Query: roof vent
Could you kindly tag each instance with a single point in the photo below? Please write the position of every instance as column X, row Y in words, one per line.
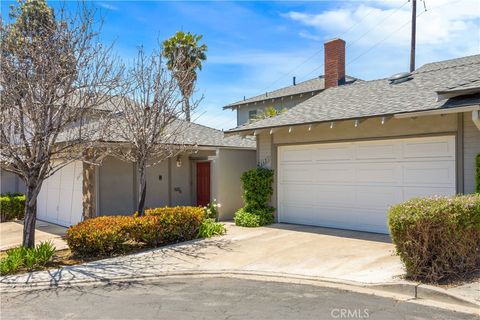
column 400, row 77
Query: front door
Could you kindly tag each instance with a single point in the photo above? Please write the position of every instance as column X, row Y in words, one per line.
column 203, row 183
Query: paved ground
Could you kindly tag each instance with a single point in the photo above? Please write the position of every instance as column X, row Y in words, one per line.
column 11, row 234
column 213, row 298
column 279, row 249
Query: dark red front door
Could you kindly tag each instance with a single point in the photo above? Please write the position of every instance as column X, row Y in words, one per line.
column 203, row 183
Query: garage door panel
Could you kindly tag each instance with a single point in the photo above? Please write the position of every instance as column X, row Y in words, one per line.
column 376, row 151
column 352, row 185
column 333, row 153
column 333, row 173
column 378, row 198
column 429, row 148
column 384, row 173
column 60, row 198
column 434, row 174
column 334, row 195
column 298, row 194
column 299, row 173
column 297, row 155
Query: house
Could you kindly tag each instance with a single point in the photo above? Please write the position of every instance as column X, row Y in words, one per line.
column 346, row 154
column 284, row 98
column 210, row 170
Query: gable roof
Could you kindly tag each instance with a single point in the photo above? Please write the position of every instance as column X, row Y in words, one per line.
column 379, row 97
column 314, row 85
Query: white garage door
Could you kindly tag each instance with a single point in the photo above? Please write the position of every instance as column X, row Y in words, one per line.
column 351, row 185
column 60, row 199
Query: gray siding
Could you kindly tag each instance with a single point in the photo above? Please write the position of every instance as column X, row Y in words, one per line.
column 10, row 182
column 116, row 187
column 279, row 104
column 471, row 145
column 227, row 187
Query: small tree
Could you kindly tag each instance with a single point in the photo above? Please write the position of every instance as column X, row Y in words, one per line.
column 54, row 75
column 184, row 56
column 269, row 112
column 147, row 117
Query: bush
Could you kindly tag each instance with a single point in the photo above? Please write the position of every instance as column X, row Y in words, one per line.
column 104, row 236
column 177, row 223
column 437, row 238
column 99, row 236
column 210, row 228
column 257, row 190
column 29, row 258
column 477, row 177
column 12, row 206
column 258, row 218
column 211, row 210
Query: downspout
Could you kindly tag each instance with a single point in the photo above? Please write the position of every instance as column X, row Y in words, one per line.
column 476, row 118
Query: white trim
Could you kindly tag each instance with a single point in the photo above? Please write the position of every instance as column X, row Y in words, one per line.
column 476, row 118
column 436, row 112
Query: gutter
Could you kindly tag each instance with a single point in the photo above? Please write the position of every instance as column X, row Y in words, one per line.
column 471, row 108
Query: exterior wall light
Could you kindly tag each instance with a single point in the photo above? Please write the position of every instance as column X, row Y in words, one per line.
column 179, row 161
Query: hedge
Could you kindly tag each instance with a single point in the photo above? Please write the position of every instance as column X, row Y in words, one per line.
column 104, row 236
column 12, row 206
column 437, row 238
column 477, row 176
column 257, row 191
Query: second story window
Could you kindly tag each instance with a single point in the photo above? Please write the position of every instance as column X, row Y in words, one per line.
column 252, row 114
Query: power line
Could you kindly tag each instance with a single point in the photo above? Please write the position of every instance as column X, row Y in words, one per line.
column 318, row 51
column 381, row 41
column 362, row 36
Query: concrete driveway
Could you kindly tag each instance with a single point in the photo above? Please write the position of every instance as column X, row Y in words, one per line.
column 11, row 234
column 279, row 249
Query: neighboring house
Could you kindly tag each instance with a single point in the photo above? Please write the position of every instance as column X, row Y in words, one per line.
column 10, row 182
column 288, row 97
column 209, row 171
column 343, row 156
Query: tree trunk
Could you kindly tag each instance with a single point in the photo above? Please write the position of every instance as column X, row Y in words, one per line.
column 30, row 216
column 142, row 189
column 186, row 107
column 89, row 191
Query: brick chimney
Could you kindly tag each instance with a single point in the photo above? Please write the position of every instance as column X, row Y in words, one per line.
column 334, row 63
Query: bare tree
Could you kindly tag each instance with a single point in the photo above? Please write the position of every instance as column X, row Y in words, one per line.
column 55, row 77
column 148, row 117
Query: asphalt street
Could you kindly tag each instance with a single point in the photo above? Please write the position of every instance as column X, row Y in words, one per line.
column 211, row 298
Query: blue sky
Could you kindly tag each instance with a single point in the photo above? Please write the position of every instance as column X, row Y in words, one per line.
column 255, row 47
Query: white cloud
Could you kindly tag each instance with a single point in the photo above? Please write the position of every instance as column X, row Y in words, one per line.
column 373, row 31
column 108, row 6
column 444, row 21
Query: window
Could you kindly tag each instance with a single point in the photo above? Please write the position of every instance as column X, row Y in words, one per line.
column 252, row 114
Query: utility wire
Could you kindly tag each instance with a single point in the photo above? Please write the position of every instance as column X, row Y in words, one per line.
column 362, row 36
column 318, row 51
column 381, row 41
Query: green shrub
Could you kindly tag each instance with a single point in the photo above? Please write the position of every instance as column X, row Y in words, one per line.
column 477, row 176
column 210, row 228
column 211, row 210
column 257, row 190
column 437, row 238
column 28, row 258
column 258, row 218
column 99, row 236
column 177, row 223
column 12, row 206
column 103, row 236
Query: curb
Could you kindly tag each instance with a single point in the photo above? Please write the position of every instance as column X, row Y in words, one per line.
column 399, row 290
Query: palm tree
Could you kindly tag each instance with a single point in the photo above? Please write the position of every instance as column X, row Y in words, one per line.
column 184, row 56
